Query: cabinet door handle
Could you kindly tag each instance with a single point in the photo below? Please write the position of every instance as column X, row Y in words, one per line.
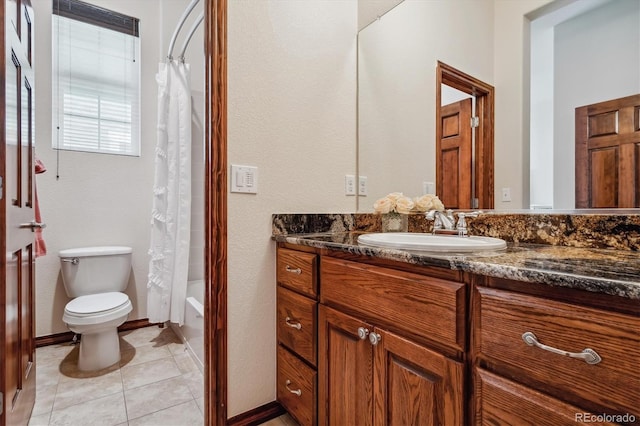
column 374, row 338
column 587, row 355
column 296, row 392
column 293, row 270
column 295, row 325
column 362, row 333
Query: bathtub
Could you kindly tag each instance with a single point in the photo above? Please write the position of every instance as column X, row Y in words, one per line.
column 192, row 332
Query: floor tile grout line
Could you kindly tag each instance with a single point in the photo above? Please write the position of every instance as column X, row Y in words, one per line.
column 168, row 344
column 162, row 409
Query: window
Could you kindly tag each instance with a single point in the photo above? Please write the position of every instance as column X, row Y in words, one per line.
column 96, row 79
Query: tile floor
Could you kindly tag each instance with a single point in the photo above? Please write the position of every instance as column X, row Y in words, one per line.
column 156, row 383
column 284, row 420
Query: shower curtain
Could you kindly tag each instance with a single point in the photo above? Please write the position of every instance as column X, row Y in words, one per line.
column 171, row 214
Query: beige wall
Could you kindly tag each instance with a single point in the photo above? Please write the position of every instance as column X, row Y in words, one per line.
column 397, row 91
column 100, row 199
column 291, row 113
column 511, row 135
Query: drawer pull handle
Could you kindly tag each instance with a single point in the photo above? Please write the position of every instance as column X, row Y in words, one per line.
column 374, row 338
column 296, row 392
column 587, row 355
column 362, row 333
column 293, row 270
column 295, row 325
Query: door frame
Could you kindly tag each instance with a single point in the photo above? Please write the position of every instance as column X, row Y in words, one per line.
column 484, row 133
column 215, row 324
column 215, row 256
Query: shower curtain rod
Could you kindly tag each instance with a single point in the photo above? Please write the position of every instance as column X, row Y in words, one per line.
column 183, row 18
column 193, row 29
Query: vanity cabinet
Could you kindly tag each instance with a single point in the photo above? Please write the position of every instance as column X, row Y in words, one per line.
column 366, row 341
column 378, row 356
column 552, row 361
column 297, row 277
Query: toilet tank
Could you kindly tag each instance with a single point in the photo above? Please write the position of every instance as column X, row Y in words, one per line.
column 91, row 270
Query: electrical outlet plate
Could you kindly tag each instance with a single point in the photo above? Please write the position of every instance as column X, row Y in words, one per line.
column 506, row 195
column 428, row 188
column 362, row 186
column 349, row 185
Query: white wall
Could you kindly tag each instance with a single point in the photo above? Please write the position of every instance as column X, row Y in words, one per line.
column 397, row 73
column 99, row 199
column 511, row 136
column 541, row 116
column 597, row 58
column 291, row 113
column 370, row 10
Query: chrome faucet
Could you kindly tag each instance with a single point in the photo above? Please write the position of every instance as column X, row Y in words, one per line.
column 445, row 222
column 441, row 220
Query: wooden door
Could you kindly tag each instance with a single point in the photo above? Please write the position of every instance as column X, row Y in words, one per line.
column 17, row 146
column 345, row 366
column 454, row 155
column 608, row 154
column 414, row 385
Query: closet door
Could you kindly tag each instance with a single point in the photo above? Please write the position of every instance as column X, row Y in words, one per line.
column 18, row 219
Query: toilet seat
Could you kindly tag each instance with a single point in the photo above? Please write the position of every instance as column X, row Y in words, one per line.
column 96, row 308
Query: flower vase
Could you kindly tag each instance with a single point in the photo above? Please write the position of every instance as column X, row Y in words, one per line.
column 395, row 222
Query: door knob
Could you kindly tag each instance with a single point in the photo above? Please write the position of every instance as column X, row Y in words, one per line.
column 33, row 225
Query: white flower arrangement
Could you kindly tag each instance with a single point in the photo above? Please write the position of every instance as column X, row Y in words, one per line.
column 428, row 202
column 397, row 202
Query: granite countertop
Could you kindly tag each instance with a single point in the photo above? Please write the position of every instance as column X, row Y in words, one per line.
column 608, row 271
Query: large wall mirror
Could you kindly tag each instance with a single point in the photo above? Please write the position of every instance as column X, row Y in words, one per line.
column 582, row 52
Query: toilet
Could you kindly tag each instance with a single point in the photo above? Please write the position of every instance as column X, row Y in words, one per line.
column 95, row 278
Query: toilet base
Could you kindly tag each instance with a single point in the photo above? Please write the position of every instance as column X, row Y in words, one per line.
column 99, row 350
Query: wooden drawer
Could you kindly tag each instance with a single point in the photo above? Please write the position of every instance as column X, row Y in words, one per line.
column 296, row 388
column 412, row 304
column 297, row 319
column 612, row 385
column 502, row 402
column 298, row 271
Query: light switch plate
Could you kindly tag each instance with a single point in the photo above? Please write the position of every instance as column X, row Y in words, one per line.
column 244, row 179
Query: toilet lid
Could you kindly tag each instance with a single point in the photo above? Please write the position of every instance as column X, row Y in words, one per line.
column 94, row 303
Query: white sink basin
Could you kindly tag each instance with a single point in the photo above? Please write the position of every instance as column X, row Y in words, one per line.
column 433, row 243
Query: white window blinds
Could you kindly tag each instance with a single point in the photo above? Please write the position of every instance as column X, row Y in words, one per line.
column 96, row 88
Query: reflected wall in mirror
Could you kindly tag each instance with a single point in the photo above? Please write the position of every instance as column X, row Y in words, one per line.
column 585, row 53
column 487, row 39
column 397, row 58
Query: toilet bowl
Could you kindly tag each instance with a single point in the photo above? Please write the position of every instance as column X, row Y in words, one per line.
column 95, row 278
column 96, row 318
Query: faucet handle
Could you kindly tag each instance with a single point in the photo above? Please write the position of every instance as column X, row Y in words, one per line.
column 434, row 215
column 462, row 222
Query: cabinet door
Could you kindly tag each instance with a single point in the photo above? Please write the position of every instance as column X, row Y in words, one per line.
column 414, row 385
column 345, row 365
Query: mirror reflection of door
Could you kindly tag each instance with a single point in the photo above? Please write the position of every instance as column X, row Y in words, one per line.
column 454, row 153
column 464, row 145
column 608, row 154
